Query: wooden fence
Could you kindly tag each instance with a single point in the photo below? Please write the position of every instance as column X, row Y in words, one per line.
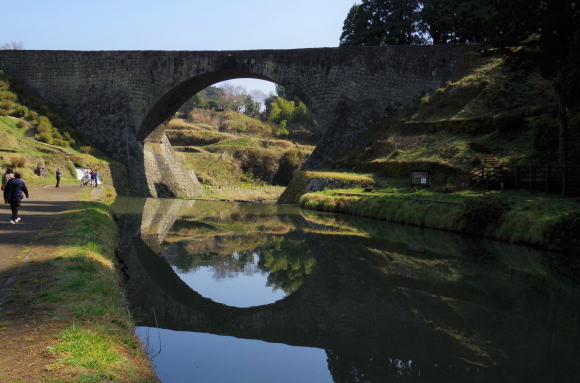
column 548, row 179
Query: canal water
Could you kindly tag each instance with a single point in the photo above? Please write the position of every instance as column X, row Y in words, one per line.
column 233, row 292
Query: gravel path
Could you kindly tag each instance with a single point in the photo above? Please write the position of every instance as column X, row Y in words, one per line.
column 37, row 213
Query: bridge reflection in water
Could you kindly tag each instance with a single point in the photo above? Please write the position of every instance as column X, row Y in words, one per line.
column 385, row 302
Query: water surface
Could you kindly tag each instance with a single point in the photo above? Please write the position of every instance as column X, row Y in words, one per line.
column 226, row 292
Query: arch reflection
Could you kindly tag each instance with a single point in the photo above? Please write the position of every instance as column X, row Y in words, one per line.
column 459, row 310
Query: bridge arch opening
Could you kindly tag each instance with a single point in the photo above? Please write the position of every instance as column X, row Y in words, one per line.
column 220, row 135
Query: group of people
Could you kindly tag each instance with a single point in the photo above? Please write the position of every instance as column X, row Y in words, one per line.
column 90, row 177
column 14, row 190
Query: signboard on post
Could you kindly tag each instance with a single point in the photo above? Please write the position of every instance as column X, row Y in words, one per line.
column 420, row 178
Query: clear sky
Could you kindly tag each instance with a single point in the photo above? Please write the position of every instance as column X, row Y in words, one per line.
column 174, row 25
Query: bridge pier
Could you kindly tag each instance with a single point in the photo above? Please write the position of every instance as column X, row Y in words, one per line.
column 164, row 175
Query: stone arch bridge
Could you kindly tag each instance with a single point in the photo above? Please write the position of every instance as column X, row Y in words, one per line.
column 121, row 100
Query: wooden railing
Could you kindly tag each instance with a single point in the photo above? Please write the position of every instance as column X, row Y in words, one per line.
column 548, row 179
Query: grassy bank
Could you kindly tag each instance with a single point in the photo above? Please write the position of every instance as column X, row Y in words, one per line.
column 517, row 217
column 244, row 194
column 71, row 280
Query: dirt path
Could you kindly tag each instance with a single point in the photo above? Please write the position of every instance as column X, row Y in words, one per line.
column 37, row 213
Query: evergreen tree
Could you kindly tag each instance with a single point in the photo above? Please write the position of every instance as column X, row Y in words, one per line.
column 382, row 22
column 355, row 29
column 560, row 47
column 555, row 25
column 438, row 19
column 474, row 20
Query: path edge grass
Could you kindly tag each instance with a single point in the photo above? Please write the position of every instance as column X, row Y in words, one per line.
column 98, row 342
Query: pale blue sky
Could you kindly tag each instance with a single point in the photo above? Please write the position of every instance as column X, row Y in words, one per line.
column 174, row 25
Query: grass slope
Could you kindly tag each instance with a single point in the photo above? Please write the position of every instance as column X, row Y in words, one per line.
column 499, row 106
column 23, row 153
column 221, row 152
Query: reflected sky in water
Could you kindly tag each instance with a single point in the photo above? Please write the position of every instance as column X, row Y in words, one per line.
column 239, row 288
column 192, row 357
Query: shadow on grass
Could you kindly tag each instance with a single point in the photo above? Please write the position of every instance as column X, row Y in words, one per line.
column 69, row 291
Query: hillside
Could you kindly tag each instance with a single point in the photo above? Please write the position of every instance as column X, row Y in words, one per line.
column 30, row 134
column 228, row 148
column 498, row 108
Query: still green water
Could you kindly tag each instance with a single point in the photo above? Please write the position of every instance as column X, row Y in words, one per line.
column 228, row 292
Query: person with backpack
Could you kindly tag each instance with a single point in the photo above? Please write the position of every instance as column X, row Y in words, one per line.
column 13, row 194
column 7, row 176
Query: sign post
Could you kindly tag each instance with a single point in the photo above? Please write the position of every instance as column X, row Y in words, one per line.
column 420, row 178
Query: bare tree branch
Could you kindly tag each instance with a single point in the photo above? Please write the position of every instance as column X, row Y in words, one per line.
column 12, row 46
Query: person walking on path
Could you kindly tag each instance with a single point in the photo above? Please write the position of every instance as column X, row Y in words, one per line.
column 9, row 174
column 13, row 192
column 58, row 175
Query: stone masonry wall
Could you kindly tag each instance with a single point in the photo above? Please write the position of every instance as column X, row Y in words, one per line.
column 120, row 99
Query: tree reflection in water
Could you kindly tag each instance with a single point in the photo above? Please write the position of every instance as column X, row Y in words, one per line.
column 241, row 243
column 286, row 269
